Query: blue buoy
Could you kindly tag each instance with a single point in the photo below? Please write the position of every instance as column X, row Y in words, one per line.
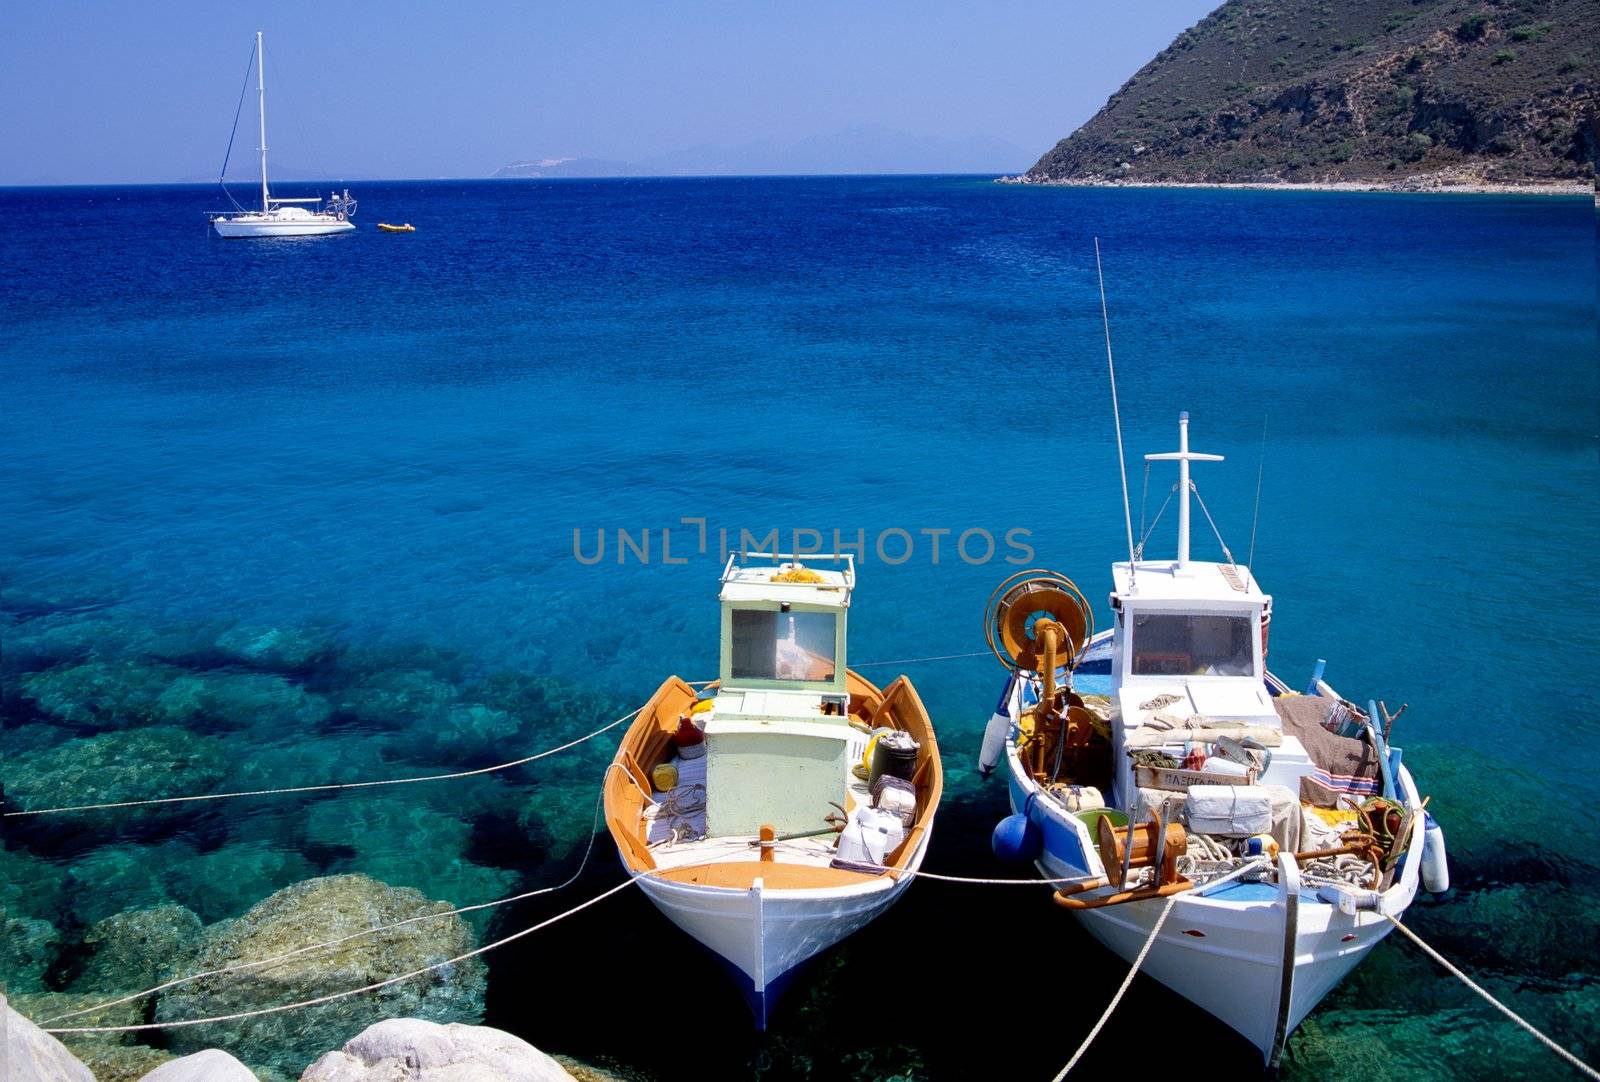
column 1017, row 839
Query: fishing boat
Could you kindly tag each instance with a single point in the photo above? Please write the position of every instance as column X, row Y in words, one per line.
column 786, row 805
column 1160, row 770
column 309, row 217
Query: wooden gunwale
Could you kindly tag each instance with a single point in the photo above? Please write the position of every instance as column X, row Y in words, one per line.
column 645, row 744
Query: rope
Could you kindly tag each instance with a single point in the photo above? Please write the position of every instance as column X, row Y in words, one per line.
column 222, row 174
column 1116, row 412
column 242, row 966
column 331, row 997
column 1207, row 511
column 332, row 787
column 911, row 660
column 1157, row 520
column 1527, row 1026
column 1126, row 981
column 919, row 874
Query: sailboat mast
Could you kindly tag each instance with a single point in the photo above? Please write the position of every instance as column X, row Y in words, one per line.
column 261, row 90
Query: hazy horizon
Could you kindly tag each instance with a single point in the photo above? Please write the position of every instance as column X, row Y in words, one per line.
column 107, row 95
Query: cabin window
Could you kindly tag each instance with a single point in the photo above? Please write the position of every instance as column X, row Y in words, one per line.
column 772, row 645
column 1187, row 644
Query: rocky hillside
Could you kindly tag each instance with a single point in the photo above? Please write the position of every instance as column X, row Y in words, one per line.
column 1498, row 91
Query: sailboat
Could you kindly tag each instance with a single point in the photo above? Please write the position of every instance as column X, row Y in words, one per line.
column 281, row 217
column 788, row 804
column 1259, row 838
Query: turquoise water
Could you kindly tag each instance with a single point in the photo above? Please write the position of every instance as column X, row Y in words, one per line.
column 381, row 447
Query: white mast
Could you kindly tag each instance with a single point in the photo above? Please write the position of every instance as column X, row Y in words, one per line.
column 1183, row 456
column 261, row 90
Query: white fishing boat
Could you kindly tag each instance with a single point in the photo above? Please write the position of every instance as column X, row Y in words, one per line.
column 776, row 811
column 309, row 217
column 1160, row 764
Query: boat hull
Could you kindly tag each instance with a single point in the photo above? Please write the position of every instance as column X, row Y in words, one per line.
column 1229, row 953
column 238, row 230
column 763, row 934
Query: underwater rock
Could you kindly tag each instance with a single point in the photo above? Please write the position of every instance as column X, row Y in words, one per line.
column 398, row 699
column 101, row 695
column 559, row 816
column 114, row 878
column 135, row 764
column 33, row 886
column 225, row 882
column 27, row 949
column 423, row 1051
column 138, row 948
column 278, row 649
column 211, row 1065
column 464, row 733
column 32, row 1055
column 315, row 912
column 120, row 1062
column 240, row 700
column 390, row 835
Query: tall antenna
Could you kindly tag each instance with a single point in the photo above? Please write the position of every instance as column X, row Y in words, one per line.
column 1255, row 518
column 1116, row 413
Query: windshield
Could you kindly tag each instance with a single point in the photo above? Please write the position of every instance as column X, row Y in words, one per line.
column 1172, row 644
column 769, row 645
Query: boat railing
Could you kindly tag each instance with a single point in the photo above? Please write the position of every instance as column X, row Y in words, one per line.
column 844, row 560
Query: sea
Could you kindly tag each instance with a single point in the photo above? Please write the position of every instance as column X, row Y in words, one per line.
column 285, row 512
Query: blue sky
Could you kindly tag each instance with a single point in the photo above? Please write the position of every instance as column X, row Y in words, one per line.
column 105, row 93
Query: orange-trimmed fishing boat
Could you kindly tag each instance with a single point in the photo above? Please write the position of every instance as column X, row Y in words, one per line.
column 788, row 804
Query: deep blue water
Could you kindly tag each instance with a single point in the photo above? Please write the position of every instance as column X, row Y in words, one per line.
column 391, row 441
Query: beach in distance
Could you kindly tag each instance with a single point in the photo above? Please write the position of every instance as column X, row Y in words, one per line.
column 286, row 512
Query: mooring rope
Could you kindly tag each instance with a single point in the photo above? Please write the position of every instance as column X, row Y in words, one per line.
column 1501, row 1007
column 332, row 996
column 330, row 787
column 1126, row 981
column 240, row 967
column 914, row 660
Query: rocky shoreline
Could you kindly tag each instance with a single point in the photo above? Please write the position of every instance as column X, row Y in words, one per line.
column 1407, row 186
column 411, row 1048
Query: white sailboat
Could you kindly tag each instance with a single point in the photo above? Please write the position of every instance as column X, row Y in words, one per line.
column 1160, row 764
column 789, row 804
column 282, row 217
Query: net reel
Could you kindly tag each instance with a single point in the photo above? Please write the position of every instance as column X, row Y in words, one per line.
column 1015, row 618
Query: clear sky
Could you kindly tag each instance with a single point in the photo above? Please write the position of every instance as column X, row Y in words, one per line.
column 104, row 93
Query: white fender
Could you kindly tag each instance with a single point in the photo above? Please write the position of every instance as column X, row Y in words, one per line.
column 1435, row 866
column 999, row 727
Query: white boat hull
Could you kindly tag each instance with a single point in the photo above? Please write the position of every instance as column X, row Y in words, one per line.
column 234, row 228
column 1237, row 968
column 765, row 935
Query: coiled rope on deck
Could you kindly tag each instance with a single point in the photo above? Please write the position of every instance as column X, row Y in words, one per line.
column 1523, row 1023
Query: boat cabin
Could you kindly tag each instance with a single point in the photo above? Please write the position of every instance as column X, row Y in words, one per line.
column 783, row 706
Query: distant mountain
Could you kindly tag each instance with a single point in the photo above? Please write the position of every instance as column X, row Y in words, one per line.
column 1358, row 90
column 858, row 149
column 567, row 167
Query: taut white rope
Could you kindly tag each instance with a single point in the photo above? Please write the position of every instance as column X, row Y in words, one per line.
column 1501, row 1007
column 624, row 885
column 1126, row 981
column 330, row 787
column 263, row 962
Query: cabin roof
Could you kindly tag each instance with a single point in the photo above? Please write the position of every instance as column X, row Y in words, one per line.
column 1196, row 581
column 785, row 578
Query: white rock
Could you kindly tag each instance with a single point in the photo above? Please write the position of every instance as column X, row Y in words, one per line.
column 212, row 1065
column 32, row 1055
column 413, row 1050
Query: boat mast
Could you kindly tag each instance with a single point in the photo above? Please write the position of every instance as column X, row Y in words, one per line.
column 261, row 90
column 1183, row 456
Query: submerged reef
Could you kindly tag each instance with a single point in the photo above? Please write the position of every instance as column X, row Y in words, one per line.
column 315, row 912
column 100, row 707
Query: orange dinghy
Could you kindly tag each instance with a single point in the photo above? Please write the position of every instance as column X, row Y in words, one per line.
column 789, row 803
